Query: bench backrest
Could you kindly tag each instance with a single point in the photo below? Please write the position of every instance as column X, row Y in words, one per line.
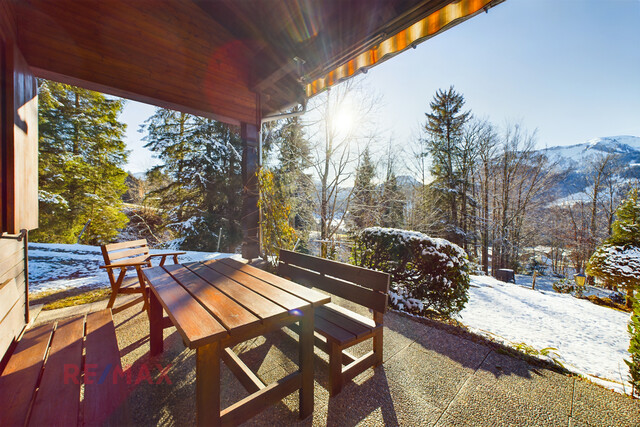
column 360, row 285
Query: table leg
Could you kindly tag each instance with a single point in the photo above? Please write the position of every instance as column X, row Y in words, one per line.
column 306, row 339
column 208, row 385
column 155, row 324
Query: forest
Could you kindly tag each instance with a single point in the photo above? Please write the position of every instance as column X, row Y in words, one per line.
column 489, row 189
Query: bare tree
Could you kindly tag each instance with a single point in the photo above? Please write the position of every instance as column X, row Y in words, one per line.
column 340, row 125
column 521, row 175
column 486, row 151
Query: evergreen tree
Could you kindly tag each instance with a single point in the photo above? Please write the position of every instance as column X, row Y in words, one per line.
column 286, row 155
column 617, row 260
column 392, row 203
column 444, row 128
column 364, row 203
column 80, row 170
column 199, row 181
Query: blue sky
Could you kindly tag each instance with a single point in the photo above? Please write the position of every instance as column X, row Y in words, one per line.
column 568, row 68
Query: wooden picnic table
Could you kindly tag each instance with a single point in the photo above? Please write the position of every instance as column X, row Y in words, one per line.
column 219, row 303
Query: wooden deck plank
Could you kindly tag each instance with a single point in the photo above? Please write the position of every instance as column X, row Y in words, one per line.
column 104, row 393
column 20, row 377
column 59, row 391
column 356, row 328
column 314, row 297
column 256, row 303
column 353, row 315
column 277, row 295
column 234, row 317
column 193, row 321
column 332, row 331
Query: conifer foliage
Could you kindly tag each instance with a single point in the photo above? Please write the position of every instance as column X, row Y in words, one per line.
column 199, row 181
column 444, row 129
column 617, row 260
column 80, row 170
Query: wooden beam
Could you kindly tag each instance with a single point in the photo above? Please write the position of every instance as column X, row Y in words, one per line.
column 272, row 78
column 354, row 368
column 257, row 402
column 250, row 134
column 247, row 378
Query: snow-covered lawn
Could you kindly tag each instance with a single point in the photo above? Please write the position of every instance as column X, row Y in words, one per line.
column 55, row 267
column 591, row 340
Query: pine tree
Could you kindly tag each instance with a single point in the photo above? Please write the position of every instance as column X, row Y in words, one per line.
column 200, row 178
column 617, row 260
column 364, row 203
column 80, row 170
column 444, row 128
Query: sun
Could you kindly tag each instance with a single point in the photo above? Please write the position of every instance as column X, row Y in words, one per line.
column 343, row 121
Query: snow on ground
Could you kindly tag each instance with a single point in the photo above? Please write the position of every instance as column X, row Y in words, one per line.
column 545, row 283
column 591, row 340
column 54, row 267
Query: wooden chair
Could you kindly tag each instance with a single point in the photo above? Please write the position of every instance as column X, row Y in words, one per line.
column 125, row 256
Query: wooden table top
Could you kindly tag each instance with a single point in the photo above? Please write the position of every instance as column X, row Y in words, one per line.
column 213, row 300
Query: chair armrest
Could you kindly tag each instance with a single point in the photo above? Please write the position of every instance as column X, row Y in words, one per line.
column 124, row 265
column 165, row 254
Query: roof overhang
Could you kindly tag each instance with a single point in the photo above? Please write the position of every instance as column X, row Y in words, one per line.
column 235, row 61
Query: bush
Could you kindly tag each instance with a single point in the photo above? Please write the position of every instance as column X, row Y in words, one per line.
column 427, row 274
column 634, row 349
column 564, row 286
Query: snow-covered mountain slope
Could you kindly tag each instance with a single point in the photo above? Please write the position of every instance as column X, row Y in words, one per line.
column 572, row 165
column 573, row 155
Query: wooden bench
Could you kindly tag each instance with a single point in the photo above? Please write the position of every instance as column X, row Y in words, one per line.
column 337, row 327
column 43, row 376
column 125, row 255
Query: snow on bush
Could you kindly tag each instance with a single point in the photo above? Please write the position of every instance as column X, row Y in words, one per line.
column 617, row 265
column 427, row 274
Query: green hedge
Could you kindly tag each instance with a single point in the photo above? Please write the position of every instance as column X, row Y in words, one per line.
column 427, row 274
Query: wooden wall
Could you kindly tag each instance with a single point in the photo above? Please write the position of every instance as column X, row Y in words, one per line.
column 12, row 292
column 19, row 143
column 18, row 176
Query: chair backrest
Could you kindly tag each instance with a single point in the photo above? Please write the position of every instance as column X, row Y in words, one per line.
column 360, row 285
column 125, row 252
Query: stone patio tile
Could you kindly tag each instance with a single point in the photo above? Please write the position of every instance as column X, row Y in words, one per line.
column 371, row 399
column 508, row 391
column 432, row 376
column 597, row 406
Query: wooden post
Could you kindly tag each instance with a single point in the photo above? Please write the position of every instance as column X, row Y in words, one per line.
column 533, row 281
column 250, row 134
column 208, row 385
column 306, row 340
column 155, row 324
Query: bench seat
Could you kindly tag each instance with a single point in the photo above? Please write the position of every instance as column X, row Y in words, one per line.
column 341, row 325
column 42, row 381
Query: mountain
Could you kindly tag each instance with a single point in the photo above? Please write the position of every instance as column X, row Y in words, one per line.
column 575, row 155
column 572, row 165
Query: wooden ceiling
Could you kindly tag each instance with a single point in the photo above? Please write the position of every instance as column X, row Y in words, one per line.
column 232, row 60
